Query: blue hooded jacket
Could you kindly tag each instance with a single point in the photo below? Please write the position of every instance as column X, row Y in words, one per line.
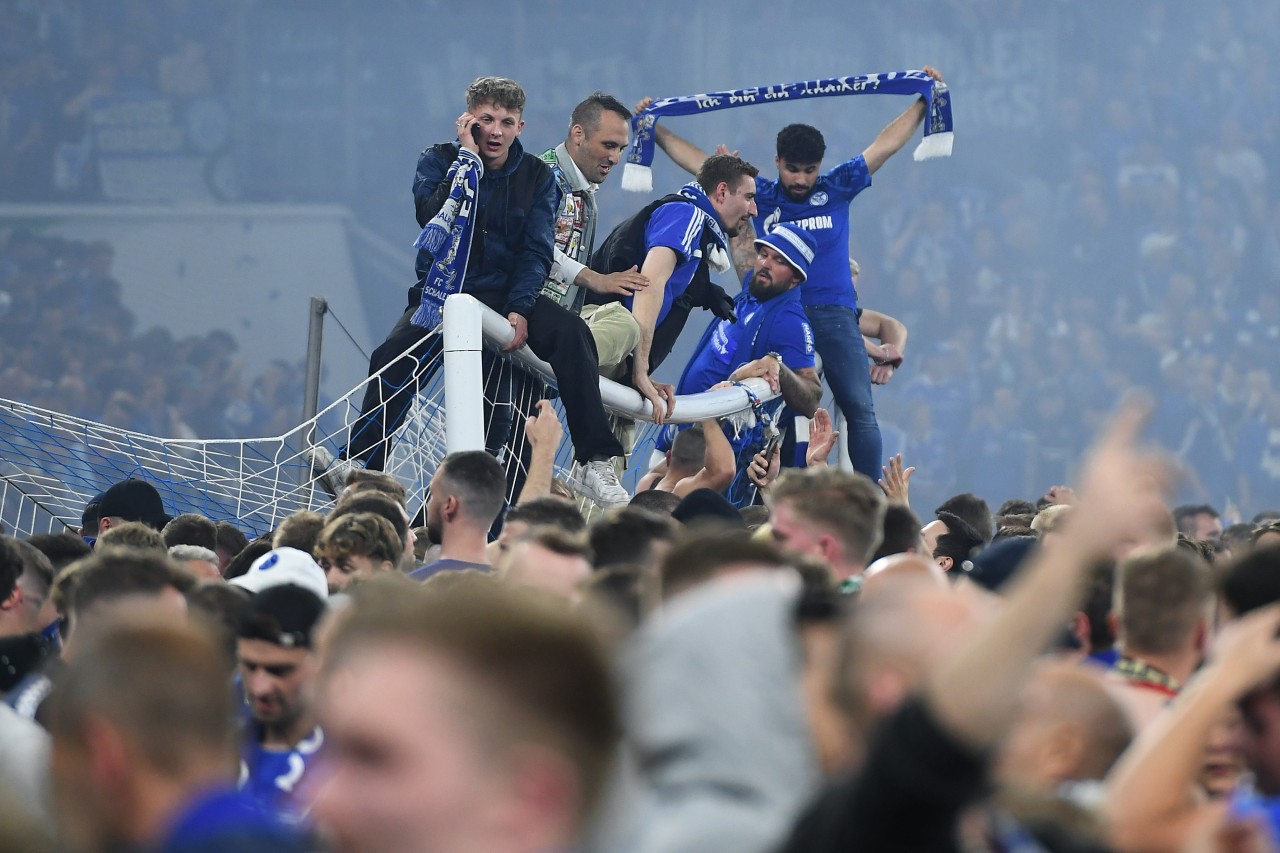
column 511, row 251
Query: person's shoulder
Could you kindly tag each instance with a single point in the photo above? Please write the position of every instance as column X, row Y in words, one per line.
column 442, row 152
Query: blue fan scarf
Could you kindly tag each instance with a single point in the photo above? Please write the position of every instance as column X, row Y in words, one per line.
column 637, row 176
column 447, row 237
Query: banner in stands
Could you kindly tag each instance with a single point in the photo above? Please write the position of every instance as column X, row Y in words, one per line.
column 152, row 148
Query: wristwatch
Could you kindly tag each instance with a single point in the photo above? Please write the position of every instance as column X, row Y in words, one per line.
column 775, row 355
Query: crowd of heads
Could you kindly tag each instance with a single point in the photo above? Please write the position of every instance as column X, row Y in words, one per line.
column 340, row 687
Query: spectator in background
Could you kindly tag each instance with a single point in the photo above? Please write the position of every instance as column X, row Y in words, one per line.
column 277, row 670
column 1162, row 618
column 520, row 519
column 300, row 530
column 191, row 529
column 834, row 515
column 200, row 562
column 356, row 545
column 150, row 702
column 1200, row 522
column 549, row 559
column 379, row 503
column 468, row 491
column 24, row 645
column 230, row 541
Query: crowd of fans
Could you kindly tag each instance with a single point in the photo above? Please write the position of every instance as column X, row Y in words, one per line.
column 69, row 344
column 1145, row 252
column 1147, row 255
column 951, row 659
column 1088, row 671
column 58, row 61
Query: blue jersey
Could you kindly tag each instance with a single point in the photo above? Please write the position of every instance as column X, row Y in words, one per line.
column 272, row 777
column 678, row 226
column 825, row 215
column 775, row 325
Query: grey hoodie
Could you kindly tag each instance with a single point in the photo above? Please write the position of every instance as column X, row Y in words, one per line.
column 720, row 756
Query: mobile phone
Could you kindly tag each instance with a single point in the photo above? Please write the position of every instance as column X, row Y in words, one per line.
column 476, row 133
column 771, row 445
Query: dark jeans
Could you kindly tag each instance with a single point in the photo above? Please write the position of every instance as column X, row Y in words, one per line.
column 844, row 364
column 557, row 336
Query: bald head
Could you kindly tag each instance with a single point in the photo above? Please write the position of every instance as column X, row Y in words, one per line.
column 1069, row 728
column 879, row 664
column 884, row 570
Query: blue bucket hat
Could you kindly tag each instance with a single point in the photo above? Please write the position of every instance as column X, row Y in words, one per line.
column 796, row 245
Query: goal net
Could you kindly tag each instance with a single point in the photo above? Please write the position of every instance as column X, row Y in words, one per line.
column 52, row 464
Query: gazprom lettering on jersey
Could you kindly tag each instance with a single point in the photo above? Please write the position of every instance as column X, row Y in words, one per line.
column 824, row 213
column 815, row 223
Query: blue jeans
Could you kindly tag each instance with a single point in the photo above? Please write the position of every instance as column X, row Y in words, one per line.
column 844, row 365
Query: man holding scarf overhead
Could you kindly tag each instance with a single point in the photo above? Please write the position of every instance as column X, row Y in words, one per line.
column 487, row 210
column 818, row 201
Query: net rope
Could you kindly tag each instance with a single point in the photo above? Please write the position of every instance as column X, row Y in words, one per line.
column 52, row 464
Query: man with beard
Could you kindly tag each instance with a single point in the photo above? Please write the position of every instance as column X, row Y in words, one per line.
column 772, row 338
column 277, row 668
column 467, row 493
column 818, row 202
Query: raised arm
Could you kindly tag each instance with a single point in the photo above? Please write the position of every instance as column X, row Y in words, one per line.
column 1151, row 802
column 976, row 694
column 898, row 131
column 544, row 433
column 719, row 465
column 683, row 153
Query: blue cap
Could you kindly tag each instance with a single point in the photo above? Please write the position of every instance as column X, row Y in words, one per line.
column 796, row 245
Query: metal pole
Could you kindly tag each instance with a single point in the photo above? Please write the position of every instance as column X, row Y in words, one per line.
column 463, row 374
column 315, row 341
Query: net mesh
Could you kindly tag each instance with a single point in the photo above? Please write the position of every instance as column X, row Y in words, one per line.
column 53, row 464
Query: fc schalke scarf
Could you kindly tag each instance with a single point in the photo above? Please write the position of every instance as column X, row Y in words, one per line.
column 718, row 255
column 447, row 238
column 636, row 175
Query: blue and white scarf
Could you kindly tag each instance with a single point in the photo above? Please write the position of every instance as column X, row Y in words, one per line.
column 637, row 176
column 717, row 256
column 447, row 238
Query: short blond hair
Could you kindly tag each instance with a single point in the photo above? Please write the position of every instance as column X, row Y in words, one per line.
column 847, row 505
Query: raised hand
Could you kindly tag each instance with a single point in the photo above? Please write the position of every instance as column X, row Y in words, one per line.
column 896, row 480
column 822, row 437
column 543, row 429
column 1123, row 484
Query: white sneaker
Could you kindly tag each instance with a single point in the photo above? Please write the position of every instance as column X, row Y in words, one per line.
column 331, row 474
column 599, row 481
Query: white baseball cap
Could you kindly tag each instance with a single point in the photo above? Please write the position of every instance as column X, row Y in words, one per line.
column 281, row 566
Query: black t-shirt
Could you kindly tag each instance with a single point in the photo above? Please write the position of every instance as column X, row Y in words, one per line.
column 908, row 796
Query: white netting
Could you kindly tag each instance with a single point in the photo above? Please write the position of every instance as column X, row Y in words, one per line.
column 52, row 464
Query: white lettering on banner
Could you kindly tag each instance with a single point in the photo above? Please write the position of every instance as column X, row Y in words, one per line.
column 748, row 96
column 814, row 223
column 705, row 103
column 774, row 93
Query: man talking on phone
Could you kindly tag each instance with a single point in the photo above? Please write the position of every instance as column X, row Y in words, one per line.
column 509, row 257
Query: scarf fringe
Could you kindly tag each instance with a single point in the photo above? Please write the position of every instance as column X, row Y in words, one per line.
column 637, row 178
column 933, row 146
